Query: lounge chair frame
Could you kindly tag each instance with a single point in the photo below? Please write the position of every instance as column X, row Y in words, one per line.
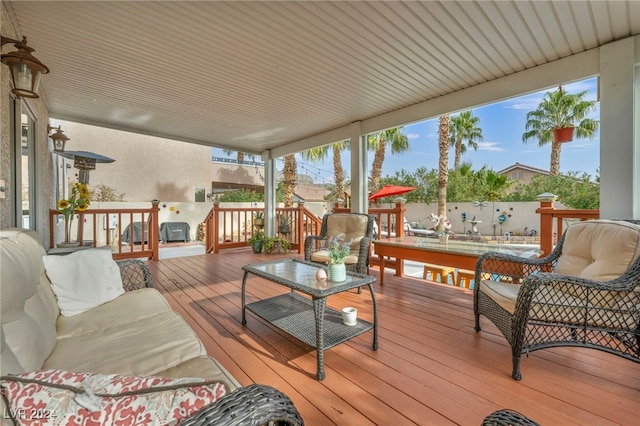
column 559, row 310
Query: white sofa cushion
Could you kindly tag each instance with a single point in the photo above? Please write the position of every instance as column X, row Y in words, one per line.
column 84, row 279
column 28, row 329
column 131, row 306
column 141, row 347
column 202, row 366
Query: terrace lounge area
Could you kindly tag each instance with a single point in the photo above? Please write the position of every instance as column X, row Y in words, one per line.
column 277, row 78
column 431, row 367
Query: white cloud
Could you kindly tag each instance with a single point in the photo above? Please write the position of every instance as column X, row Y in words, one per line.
column 413, row 135
column 529, row 102
column 490, row 146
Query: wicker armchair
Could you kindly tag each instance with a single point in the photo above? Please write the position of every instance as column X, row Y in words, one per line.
column 135, row 274
column 253, row 405
column 357, row 227
column 586, row 293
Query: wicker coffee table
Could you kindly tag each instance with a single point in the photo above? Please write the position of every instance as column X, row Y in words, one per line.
column 308, row 318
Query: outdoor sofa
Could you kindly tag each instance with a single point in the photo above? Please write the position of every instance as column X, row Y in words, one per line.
column 70, row 323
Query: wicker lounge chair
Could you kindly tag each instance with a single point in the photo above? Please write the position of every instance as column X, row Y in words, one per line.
column 586, row 293
column 357, row 227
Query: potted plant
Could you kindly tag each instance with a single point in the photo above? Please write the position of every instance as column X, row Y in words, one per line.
column 284, row 224
column 559, row 115
column 78, row 200
column 258, row 219
column 256, row 241
column 338, row 252
column 273, row 245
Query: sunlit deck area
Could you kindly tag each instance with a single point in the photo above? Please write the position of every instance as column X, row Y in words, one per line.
column 431, row 367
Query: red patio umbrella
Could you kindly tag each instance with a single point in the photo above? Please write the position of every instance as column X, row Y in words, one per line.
column 390, row 190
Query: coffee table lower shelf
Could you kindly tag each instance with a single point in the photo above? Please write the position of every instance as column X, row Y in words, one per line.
column 294, row 314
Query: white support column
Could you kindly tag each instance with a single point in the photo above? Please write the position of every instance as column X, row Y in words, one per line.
column 620, row 130
column 359, row 186
column 269, row 193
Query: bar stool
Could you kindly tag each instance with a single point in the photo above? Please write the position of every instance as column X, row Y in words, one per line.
column 443, row 271
column 464, row 278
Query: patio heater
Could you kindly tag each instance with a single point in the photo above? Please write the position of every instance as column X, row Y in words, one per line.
column 85, row 161
column 26, row 70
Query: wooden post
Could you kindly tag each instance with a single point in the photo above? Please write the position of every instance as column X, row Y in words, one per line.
column 400, row 209
column 216, row 222
column 300, row 226
column 154, row 226
column 546, row 221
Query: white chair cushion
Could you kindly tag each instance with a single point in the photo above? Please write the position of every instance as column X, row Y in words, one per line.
column 353, row 226
column 599, row 250
column 322, row 256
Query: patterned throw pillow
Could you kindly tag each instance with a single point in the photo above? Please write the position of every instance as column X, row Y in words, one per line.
column 56, row 397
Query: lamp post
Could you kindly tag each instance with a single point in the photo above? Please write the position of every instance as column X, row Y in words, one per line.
column 26, row 69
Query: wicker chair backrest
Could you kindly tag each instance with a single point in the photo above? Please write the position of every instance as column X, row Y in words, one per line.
column 349, row 226
column 599, row 250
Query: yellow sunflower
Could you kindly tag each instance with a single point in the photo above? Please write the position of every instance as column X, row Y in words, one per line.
column 63, row 204
column 83, row 191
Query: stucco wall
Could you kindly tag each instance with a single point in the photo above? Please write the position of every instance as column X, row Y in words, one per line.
column 523, row 214
column 148, row 167
column 43, row 160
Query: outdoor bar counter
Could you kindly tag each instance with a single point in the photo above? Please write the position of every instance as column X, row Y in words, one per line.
column 457, row 254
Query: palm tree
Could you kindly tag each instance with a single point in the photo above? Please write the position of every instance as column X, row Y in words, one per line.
column 494, row 187
column 443, row 166
column 378, row 143
column 289, row 175
column 240, row 155
column 464, row 126
column 559, row 110
column 320, row 153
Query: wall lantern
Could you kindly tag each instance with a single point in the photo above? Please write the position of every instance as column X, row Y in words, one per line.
column 59, row 139
column 26, row 70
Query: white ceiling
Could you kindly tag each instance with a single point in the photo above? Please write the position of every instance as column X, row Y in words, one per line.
column 260, row 75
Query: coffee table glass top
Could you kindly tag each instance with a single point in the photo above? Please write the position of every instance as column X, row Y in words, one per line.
column 301, row 275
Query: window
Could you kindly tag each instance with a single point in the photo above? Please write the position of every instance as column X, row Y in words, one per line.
column 200, row 195
column 23, row 155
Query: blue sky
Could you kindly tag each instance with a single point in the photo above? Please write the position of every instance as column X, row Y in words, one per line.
column 502, row 124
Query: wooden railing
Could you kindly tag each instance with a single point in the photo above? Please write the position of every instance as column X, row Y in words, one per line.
column 105, row 227
column 388, row 218
column 548, row 235
column 232, row 227
column 227, row 228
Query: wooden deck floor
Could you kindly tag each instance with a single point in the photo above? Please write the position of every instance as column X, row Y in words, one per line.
column 431, row 367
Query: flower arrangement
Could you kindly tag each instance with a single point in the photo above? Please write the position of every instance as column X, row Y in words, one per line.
column 440, row 220
column 338, row 250
column 78, row 200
